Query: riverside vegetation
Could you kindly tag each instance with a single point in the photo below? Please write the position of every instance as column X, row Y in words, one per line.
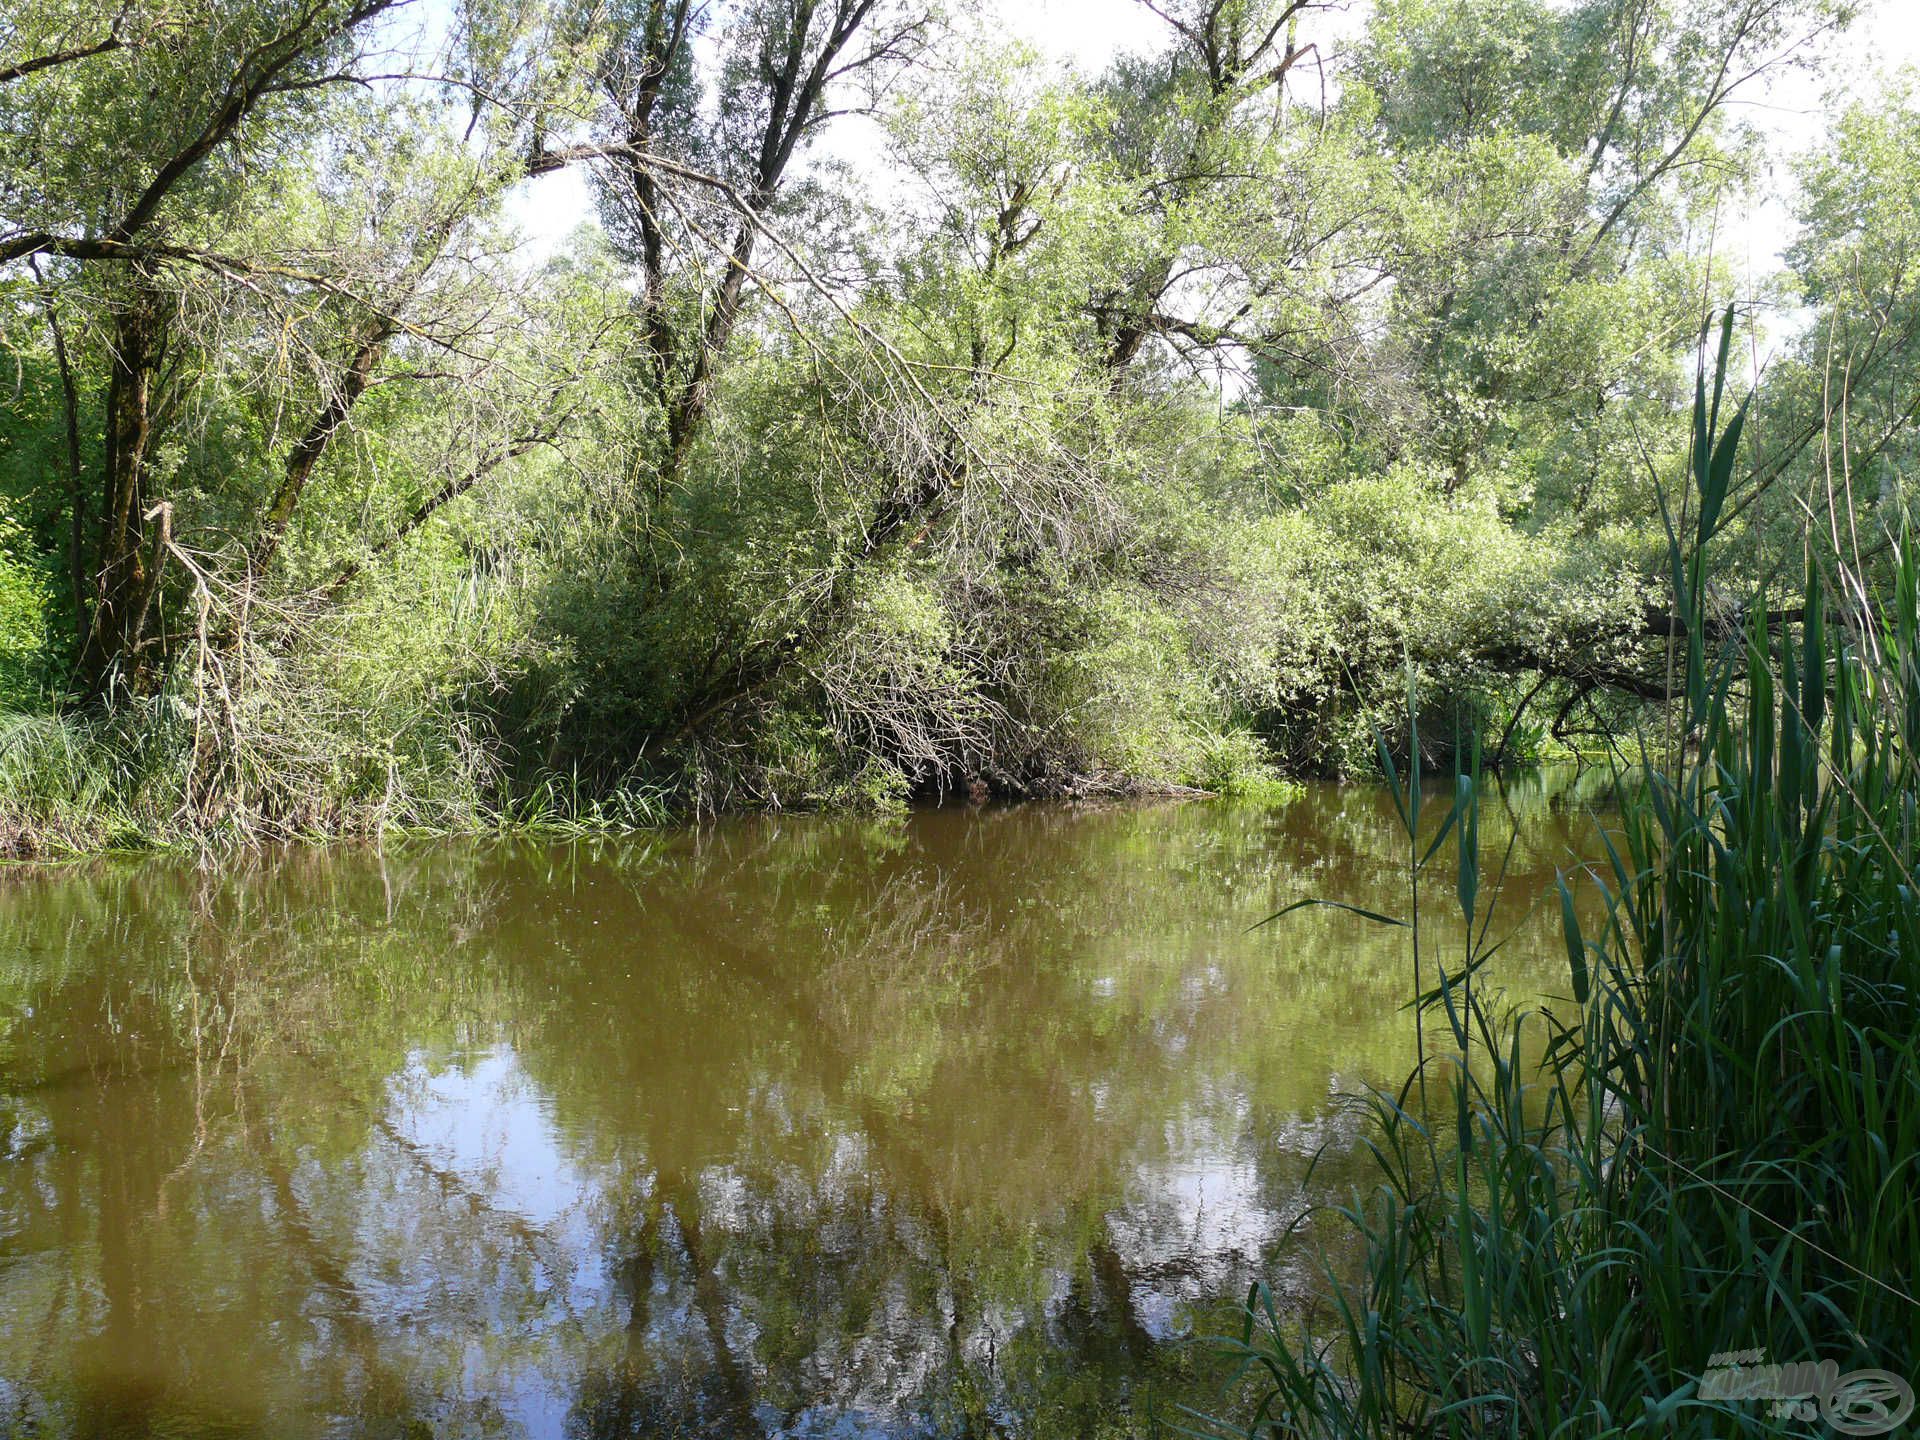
column 917, row 416
column 1714, row 1154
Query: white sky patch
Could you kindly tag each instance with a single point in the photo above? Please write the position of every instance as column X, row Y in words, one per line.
column 487, row 1121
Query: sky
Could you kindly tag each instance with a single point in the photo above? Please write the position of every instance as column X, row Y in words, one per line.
column 1088, row 34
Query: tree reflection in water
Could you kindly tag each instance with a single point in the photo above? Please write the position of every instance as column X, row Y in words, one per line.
column 949, row 1126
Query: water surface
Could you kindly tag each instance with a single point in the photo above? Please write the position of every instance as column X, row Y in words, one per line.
column 797, row 1127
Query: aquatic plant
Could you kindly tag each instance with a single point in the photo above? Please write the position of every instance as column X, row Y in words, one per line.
column 1708, row 1163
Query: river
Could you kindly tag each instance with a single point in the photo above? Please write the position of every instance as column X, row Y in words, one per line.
column 965, row 1123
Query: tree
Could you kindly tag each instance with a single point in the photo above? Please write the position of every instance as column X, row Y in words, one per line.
column 1246, row 195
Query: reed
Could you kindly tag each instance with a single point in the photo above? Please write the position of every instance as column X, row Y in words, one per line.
column 1715, row 1148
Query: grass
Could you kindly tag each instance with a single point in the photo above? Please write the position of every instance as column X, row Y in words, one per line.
column 74, row 784
column 69, row 784
column 1716, row 1150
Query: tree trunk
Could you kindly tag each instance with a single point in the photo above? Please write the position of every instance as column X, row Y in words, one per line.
column 111, row 656
column 368, row 349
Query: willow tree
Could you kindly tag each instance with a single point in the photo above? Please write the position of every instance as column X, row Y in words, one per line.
column 127, row 143
column 1835, row 443
column 699, row 155
column 238, row 226
column 690, row 196
column 1561, row 173
column 1247, row 196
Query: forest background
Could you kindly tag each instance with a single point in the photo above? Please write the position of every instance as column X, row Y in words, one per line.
column 915, row 413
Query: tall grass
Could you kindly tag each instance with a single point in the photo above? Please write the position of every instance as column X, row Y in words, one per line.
column 70, row 783
column 1720, row 1149
column 150, row 774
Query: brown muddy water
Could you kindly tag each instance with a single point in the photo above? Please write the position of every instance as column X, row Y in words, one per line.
column 967, row 1123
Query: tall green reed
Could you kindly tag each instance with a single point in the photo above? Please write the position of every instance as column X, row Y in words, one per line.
column 1717, row 1149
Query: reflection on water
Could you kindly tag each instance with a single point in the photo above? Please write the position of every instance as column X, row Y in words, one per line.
column 796, row 1127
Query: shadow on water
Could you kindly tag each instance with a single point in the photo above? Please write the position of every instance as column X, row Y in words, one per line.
column 955, row 1125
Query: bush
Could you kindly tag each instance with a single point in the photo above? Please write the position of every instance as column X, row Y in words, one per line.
column 23, row 619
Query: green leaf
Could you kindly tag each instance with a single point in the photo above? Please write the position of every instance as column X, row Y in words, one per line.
column 1374, row 916
column 1576, row 943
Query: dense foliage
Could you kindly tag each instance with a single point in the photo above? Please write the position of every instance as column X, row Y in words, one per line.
column 919, row 415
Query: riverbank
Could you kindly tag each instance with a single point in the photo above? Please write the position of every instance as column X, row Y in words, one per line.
column 75, row 786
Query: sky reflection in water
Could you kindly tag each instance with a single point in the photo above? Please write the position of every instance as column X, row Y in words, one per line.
column 795, row 1127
